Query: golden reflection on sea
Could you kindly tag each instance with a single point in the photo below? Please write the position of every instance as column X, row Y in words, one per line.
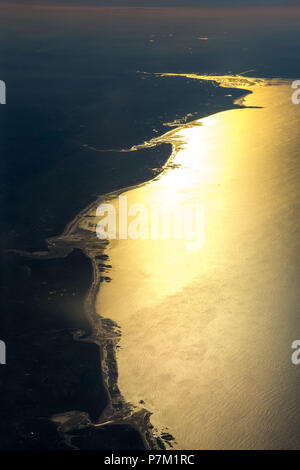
column 206, row 334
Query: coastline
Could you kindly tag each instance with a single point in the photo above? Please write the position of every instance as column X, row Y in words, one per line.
column 155, row 319
column 102, row 332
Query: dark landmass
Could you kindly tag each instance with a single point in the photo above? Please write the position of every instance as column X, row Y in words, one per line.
column 52, row 171
column 48, row 370
column 107, row 437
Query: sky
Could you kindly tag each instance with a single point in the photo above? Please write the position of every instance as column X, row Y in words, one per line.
column 183, row 3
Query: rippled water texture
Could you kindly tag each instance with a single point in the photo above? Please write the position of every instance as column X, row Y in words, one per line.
column 206, row 334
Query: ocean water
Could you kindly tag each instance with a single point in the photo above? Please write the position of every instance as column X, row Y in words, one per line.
column 206, row 334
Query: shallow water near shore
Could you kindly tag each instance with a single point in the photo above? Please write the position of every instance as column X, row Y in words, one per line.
column 206, row 335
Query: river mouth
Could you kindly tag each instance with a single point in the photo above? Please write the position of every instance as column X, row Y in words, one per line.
column 206, row 333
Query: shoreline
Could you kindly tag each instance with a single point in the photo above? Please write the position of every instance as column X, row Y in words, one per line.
column 104, row 332
column 134, row 397
column 107, row 337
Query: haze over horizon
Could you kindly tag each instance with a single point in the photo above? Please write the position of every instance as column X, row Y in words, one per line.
column 157, row 3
